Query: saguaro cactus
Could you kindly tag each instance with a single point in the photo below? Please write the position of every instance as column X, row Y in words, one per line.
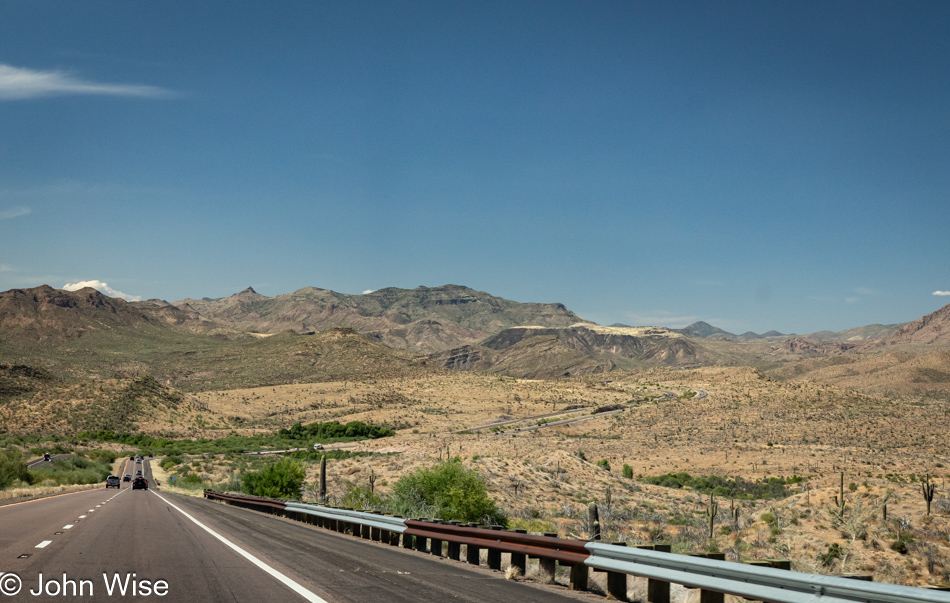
column 927, row 489
column 593, row 521
column 711, row 512
column 323, row 479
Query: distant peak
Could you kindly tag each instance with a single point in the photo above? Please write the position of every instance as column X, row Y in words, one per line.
column 248, row 290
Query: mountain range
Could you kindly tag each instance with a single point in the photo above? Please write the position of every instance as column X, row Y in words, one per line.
column 203, row 342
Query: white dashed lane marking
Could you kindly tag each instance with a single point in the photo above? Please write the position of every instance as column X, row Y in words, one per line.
column 69, row 527
column 44, row 544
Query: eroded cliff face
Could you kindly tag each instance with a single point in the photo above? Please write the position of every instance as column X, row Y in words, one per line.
column 933, row 328
column 653, row 344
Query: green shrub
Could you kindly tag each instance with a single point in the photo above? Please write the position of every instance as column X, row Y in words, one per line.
column 604, row 464
column 827, row 558
column 448, row 492
column 360, row 498
column 282, row 479
column 104, row 456
column 12, row 468
column 627, row 471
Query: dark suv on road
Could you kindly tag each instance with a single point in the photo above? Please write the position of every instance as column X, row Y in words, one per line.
column 113, row 482
column 140, row 483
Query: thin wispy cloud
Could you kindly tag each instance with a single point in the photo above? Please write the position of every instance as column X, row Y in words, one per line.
column 865, row 291
column 14, row 212
column 941, row 292
column 6, row 268
column 102, row 287
column 17, row 83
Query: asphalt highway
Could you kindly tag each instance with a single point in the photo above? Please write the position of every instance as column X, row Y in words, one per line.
column 40, row 462
column 89, row 545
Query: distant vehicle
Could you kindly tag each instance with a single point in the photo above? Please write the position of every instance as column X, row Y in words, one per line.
column 127, row 477
column 318, row 446
column 138, row 461
column 113, row 482
column 132, row 458
column 138, row 473
column 47, row 457
column 140, row 483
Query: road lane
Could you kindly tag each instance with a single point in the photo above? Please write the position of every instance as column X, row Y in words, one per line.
column 146, row 535
column 24, row 525
column 136, row 533
column 341, row 568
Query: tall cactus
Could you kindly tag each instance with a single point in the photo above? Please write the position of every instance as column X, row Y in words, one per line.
column 593, row 521
column 927, row 489
column 711, row 512
column 323, row 479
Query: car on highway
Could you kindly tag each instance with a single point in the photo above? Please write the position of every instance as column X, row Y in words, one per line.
column 47, row 457
column 138, row 473
column 127, row 477
column 318, row 446
column 113, row 482
column 140, row 483
column 132, row 458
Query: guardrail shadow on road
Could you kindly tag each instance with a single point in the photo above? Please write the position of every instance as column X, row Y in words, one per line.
column 770, row 580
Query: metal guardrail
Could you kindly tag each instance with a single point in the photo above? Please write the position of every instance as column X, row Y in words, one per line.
column 751, row 582
column 383, row 522
column 243, row 500
column 560, row 549
column 713, row 576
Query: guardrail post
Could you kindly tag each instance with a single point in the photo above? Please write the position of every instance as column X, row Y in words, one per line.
column 407, row 540
column 617, row 582
column 784, row 564
column 579, row 576
column 435, row 544
column 471, row 551
column 711, row 596
column 520, row 560
column 658, row 591
column 421, row 541
column 455, row 549
column 547, row 566
column 865, row 577
column 494, row 555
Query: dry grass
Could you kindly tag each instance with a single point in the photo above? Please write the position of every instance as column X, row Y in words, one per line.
column 749, row 426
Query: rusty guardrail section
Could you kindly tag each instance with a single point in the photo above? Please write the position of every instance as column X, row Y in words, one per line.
column 260, row 503
column 770, row 581
column 568, row 552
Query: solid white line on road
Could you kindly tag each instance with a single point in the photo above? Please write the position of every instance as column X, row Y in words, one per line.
column 69, row 527
column 82, row 517
column 288, row 582
column 44, row 544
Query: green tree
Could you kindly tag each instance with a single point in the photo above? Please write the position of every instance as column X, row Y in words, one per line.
column 282, row 479
column 448, row 492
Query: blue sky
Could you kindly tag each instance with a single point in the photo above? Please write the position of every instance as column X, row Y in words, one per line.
column 757, row 165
